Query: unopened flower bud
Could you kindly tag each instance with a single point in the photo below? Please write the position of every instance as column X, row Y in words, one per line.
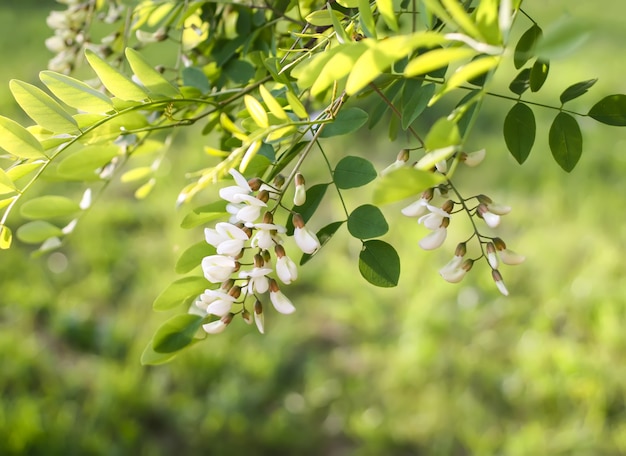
column 497, row 277
column 247, row 316
column 448, row 206
column 255, row 183
column 492, row 220
column 461, row 249
column 473, row 158
column 264, row 196
column 268, row 218
column 279, row 181
column 491, row 255
column 280, row 251
column 217, row 326
column 235, row 291
column 259, row 318
column 280, row 302
column 299, row 197
column 403, row 155
column 506, row 255
column 305, row 239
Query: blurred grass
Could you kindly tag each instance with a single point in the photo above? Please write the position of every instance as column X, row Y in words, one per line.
column 427, row 368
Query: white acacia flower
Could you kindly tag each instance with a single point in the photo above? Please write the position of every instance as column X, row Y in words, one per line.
column 492, row 258
column 221, row 307
column 401, row 160
column 267, row 235
column 227, row 238
column 259, row 317
column 286, row 269
column 217, row 326
column 218, row 268
column 434, row 239
column 473, row 158
column 507, row 256
column 417, row 208
column 492, row 220
column 306, row 240
column 257, row 279
column 233, row 193
column 497, row 277
column 432, row 220
column 280, row 302
column 250, row 209
column 456, row 269
column 299, row 197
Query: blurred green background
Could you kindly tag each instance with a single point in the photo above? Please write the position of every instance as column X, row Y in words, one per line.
column 427, row 368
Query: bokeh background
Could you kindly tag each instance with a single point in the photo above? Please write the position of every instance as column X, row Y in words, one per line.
column 427, row 368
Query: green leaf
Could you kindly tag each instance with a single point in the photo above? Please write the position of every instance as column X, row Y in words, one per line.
column 385, row 8
column 366, row 222
column 314, row 196
column 342, row 35
column 353, row 172
column 82, row 164
column 403, row 183
column 176, row 333
column 487, row 21
column 76, row 93
column 366, row 19
column 566, row 141
column 151, row 358
column 576, row 90
column 442, row 134
column 525, row 45
column 115, row 82
column 562, row 38
column 23, row 169
column 415, row 99
column 37, row 231
column 379, row 264
column 137, row 174
column 348, row 120
column 195, row 77
column 204, row 214
column 521, row 83
column 192, row 257
column 18, row 141
column 435, row 59
column 6, row 237
column 108, row 131
column 306, row 73
column 538, row 74
column 519, row 131
column 49, row 206
column 6, row 183
column 460, row 16
column 323, row 236
column 272, row 104
column 610, row 110
column 296, row 106
column 149, row 77
column 321, row 18
column 474, row 69
column 42, row 108
column 179, row 292
column 338, row 66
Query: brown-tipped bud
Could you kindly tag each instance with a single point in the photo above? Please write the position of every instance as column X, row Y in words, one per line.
column 263, row 195
column 300, row 179
column 227, row 284
column 497, row 277
column 274, row 286
column 237, row 266
column 258, row 261
column 461, row 249
column 484, row 199
column 280, row 250
column 255, row 183
column 247, row 316
column 445, row 222
column 279, row 181
column 267, row 257
column 258, row 307
column 297, row 220
column 268, row 218
column 428, row 194
column 235, row 291
column 403, row 155
column 247, row 230
column 467, row 264
column 492, row 258
column 448, row 206
column 443, row 190
column 481, row 209
column 499, row 243
column 226, row 319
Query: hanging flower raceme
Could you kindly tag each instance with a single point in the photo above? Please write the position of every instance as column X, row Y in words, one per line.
column 242, row 263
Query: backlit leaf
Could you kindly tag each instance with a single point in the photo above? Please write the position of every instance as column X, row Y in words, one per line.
column 353, row 172
column 442, row 134
column 42, row 108
column 366, row 222
column 404, row 183
column 118, row 84
column 610, row 110
column 435, row 59
column 6, row 237
column 379, row 263
column 49, row 206
column 272, row 104
column 176, row 333
column 76, row 93
column 385, row 8
column 339, row 65
column 18, row 141
column 366, row 19
column 566, row 141
column 149, row 77
column 256, row 111
column 179, row 292
column 6, row 184
column 82, row 164
column 37, row 231
column 519, row 131
column 321, row 18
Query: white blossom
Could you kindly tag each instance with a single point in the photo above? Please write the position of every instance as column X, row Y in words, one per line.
column 286, row 269
column 218, row 268
column 417, row 208
column 306, row 240
column 259, row 317
column 267, row 235
column 227, row 238
column 474, row 158
column 497, row 277
column 234, row 193
column 257, row 279
column 434, row 239
column 280, row 302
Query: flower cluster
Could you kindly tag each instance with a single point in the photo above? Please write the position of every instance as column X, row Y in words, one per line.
column 71, row 32
column 245, row 248
column 437, row 218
